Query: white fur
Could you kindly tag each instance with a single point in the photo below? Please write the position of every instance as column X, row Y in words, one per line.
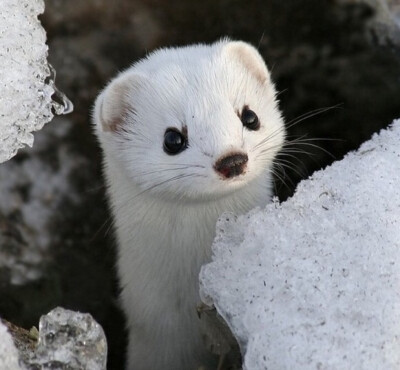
column 164, row 224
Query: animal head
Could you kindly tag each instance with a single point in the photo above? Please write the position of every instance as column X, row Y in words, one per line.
column 194, row 122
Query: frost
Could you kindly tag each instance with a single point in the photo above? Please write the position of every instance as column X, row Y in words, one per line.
column 313, row 283
column 26, row 80
column 8, row 352
column 69, row 340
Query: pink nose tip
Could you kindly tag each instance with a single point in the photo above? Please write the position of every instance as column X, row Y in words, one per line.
column 231, row 165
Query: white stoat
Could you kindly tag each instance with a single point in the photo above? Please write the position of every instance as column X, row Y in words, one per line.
column 187, row 134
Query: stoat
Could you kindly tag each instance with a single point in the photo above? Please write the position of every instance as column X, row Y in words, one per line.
column 187, row 134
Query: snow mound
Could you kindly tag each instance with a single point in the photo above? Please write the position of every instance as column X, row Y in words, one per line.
column 8, row 352
column 314, row 282
column 26, row 79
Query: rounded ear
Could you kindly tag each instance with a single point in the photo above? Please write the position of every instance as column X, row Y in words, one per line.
column 116, row 101
column 249, row 57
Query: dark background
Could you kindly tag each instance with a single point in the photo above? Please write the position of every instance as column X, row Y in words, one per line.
column 340, row 54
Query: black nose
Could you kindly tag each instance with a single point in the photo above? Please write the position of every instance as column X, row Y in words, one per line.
column 231, row 165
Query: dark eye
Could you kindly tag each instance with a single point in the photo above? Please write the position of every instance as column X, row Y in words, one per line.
column 250, row 119
column 174, row 141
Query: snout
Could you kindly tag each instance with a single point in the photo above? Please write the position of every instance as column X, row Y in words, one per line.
column 231, row 165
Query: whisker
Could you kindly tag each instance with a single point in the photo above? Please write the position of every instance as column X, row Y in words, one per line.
column 283, row 163
column 176, row 164
column 261, row 39
column 290, row 146
column 292, row 150
column 311, row 145
column 162, row 170
column 289, row 165
column 294, row 157
column 97, row 232
column 269, row 137
column 296, row 121
column 94, row 189
column 310, row 114
column 178, row 177
column 281, row 92
column 296, row 147
column 305, row 138
column 269, row 147
column 281, row 179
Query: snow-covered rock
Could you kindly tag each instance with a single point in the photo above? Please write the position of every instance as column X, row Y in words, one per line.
column 314, row 282
column 26, row 79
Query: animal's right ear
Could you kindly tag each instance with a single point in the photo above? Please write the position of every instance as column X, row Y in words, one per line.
column 116, row 102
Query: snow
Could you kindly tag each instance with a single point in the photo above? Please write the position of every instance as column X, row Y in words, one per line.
column 8, row 352
column 26, row 79
column 313, row 283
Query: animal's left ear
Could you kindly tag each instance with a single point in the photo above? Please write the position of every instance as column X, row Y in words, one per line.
column 249, row 57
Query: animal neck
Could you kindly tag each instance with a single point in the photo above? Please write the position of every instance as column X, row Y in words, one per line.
column 169, row 235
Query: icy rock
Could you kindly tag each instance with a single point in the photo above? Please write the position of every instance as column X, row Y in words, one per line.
column 313, row 283
column 8, row 352
column 69, row 340
column 26, row 80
